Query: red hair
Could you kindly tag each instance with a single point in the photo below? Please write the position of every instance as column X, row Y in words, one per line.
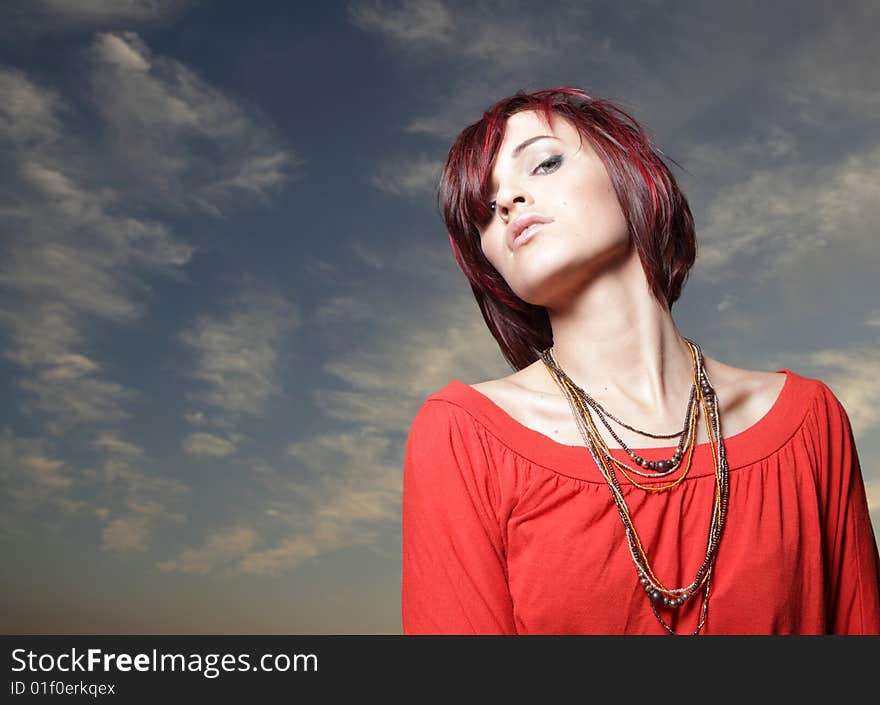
column 657, row 213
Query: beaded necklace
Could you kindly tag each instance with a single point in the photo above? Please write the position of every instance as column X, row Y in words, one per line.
column 701, row 391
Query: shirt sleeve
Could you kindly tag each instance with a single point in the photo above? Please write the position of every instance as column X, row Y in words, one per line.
column 454, row 570
column 849, row 544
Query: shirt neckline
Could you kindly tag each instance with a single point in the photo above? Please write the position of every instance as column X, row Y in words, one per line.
column 762, row 438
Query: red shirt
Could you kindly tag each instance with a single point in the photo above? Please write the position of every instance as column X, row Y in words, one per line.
column 506, row 531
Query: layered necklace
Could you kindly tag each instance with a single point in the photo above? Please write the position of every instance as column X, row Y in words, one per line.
column 702, row 396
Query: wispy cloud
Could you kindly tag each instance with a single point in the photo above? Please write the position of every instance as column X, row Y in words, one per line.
column 29, row 113
column 79, row 256
column 206, row 444
column 346, row 491
column 72, row 255
column 486, row 44
column 426, row 21
column 853, row 374
column 29, row 472
column 223, row 548
column 872, row 490
column 339, row 309
column 347, row 483
column 162, row 115
column 417, row 176
column 54, row 287
column 488, row 35
column 238, row 353
column 49, row 15
column 777, row 216
column 828, row 81
column 79, row 249
column 111, row 443
column 341, row 488
column 131, row 502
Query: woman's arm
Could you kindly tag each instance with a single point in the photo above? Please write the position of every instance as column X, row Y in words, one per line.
column 853, row 565
column 454, row 578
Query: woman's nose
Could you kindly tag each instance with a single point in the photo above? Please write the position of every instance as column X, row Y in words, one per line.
column 508, row 204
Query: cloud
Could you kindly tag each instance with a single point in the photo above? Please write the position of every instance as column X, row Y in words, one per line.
column 205, row 444
column 487, row 35
column 72, row 256
column 341, row 488
column 85, row 399
column 349, row 492
column 181, row 141
column 132, row 503
column 125, row 52
column 29, row 114
column 777, row 216
column 79, row 249
column 30, row 475
column 872, row 490
column 492, row 49
column 49, row 15
column 110, row 443
column 238, row 353
column 73, row 259
column 426, row 21
column 34, row 481
column 420, row 359
column 369, row 256
column 437, row 336
column 126, row 534
column 78, row 253
column 467, row 55
column 196, row 418
column 342, row 308
column 222, row 548
column 348, row 484
column 853, row 374
column 418, row 176
column 827, row 80
column 256, row 176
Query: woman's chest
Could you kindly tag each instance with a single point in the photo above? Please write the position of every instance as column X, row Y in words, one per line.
column 571, row 569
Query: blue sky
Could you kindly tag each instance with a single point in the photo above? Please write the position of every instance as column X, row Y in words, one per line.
column 225, row 288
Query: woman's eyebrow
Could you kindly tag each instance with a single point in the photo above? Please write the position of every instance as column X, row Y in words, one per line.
column 520, row 147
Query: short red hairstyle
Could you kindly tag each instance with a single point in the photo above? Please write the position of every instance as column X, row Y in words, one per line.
column 657, row 213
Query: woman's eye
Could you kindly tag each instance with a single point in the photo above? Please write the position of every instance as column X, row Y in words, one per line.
column 548, row 165
column 492, row 206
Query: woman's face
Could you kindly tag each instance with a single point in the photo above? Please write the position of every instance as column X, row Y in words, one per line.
column 553, row 175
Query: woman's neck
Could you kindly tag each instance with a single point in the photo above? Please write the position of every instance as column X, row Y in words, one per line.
column 619, row 344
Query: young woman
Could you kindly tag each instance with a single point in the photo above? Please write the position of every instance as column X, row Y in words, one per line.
column 620, row 481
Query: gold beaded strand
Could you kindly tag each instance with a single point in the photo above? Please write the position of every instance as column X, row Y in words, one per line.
column 593, row 439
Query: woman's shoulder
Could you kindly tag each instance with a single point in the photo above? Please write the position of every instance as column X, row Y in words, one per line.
column 445, row 406
column 468, row 412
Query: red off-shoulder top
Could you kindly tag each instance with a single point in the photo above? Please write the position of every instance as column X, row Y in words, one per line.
column 506, row 531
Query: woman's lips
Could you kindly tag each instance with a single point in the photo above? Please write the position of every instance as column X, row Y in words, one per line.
column 527, row 234
column 522, row 229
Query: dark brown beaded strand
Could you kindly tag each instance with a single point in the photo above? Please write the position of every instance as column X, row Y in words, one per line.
column 657, row 594
column 660, row 466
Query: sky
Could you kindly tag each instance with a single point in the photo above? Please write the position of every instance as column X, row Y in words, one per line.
column 226, row 288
